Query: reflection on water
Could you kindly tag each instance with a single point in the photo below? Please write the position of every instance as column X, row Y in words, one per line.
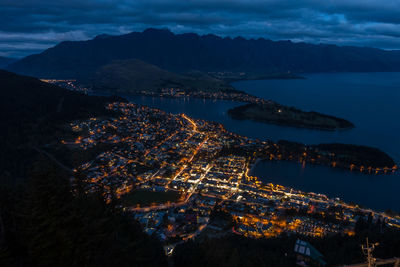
column 369, row 100
column 379, row 192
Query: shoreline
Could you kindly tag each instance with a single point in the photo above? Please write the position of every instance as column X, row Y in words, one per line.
column 244, row 99
column 253, row 165
column 296, row 167
column 365, row 170
column 289, row 116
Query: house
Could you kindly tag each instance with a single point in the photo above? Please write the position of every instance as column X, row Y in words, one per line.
column 307, row 255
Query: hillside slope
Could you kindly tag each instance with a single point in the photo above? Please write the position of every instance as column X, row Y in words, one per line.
column 38, row 207
column 32, row 113
column 135, row 75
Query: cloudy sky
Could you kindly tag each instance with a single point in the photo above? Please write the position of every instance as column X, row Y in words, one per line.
column 30, row 26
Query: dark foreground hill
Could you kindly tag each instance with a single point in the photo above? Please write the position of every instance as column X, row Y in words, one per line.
column 41, row 222
column 184, row 52
column 134, row 75
column 32, row 114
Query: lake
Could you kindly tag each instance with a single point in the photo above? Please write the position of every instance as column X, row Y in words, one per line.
column 370, row 100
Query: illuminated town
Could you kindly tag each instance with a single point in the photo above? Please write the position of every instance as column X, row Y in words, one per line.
column 200, row 133
column 174, row 174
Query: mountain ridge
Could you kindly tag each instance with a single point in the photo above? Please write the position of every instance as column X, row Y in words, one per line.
column 190, row 51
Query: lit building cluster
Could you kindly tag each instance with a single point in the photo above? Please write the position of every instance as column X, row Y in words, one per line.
column 195, row 170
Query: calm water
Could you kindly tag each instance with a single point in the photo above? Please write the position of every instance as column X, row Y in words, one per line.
column 370, row 100
column 373, row 191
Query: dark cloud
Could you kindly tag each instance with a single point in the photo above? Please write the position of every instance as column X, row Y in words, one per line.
column 29, row 26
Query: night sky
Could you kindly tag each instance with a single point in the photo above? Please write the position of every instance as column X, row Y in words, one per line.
column 30, row 26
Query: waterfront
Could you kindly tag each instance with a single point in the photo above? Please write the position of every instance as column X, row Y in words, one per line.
column 380, row 192
column 367, row 100
column 176, row 161
column 370, row 101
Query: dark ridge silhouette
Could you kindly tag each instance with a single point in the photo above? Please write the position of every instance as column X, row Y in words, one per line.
column 189, row 51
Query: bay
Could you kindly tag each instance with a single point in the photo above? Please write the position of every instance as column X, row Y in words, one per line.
column 370, row 100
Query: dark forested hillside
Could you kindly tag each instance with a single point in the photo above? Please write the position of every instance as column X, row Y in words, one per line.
column 184, row 52
column 337, row 250
column 33, row 113
column 42, row 223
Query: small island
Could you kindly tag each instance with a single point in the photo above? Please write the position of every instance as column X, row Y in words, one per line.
column 270, row 112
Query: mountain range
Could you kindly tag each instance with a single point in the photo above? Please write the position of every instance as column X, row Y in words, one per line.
column 206, row 53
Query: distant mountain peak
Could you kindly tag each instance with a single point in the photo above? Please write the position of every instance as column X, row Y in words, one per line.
column 158, row 31
column 103, row 36
column 212, row 37
column 239, row 38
